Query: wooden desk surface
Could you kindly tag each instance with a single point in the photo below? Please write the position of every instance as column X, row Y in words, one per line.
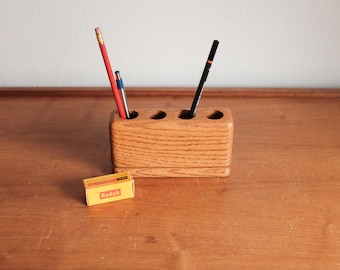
column 279, row 209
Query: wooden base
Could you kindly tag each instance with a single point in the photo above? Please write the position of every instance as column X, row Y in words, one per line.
column 169, row 144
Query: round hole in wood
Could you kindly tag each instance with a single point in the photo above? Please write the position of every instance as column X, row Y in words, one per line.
column 215, row 115
column 158, row 115
column 185, row 114
column 133, row 115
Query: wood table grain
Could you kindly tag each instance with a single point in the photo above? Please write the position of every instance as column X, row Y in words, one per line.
column 279, row 209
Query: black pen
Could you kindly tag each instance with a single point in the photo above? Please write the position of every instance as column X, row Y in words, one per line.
column 203, row 78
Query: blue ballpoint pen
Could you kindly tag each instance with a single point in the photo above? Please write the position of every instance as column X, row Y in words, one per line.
column 121, row 88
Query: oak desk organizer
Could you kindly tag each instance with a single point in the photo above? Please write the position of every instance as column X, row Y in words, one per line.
column 166, row 143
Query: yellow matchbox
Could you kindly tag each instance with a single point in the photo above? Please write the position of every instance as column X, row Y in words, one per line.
column 109, row 188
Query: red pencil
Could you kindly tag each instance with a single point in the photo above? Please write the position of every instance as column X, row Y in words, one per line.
column 114, row 87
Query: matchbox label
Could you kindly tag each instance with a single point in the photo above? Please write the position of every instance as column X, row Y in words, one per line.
column 109, row 188
column 110, row 193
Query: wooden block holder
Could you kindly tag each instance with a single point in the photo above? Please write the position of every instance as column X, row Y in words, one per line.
column 168, row 143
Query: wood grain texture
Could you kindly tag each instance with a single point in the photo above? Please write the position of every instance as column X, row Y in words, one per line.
column 279, row 209
column 161, row 143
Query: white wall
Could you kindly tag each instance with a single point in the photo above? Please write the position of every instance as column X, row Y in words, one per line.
column 263, row 43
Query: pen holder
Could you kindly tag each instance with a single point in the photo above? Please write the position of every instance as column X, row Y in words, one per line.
column 167, row 143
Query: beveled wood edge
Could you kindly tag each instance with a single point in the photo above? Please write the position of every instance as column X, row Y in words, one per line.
column 160, row 172
column 171, row 91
